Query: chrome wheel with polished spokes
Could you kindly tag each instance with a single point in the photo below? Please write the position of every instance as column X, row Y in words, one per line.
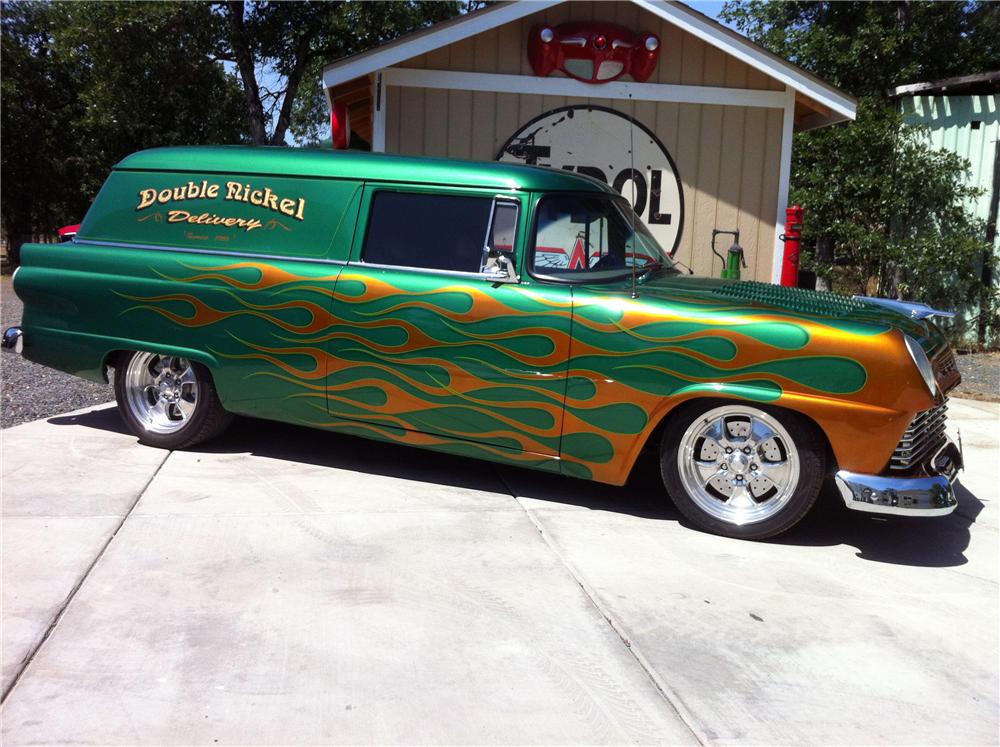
column 738, row 470
column 738, row 464
column 162, row 391
column 167, row 400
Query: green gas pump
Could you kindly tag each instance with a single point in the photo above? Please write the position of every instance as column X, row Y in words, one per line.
column 734, row 257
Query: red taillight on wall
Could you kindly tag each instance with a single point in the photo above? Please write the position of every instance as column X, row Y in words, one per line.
column 340, row 129
column 793, row 244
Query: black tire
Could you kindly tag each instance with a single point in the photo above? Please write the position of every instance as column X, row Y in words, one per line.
column 795, row 441
column 202, row 417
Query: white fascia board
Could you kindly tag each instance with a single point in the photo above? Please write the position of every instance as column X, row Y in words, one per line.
column 475, row 23
column 784, row 178
column 530, row 84
column 746, row 52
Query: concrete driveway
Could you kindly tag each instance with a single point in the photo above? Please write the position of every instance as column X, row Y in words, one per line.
column 287, row 586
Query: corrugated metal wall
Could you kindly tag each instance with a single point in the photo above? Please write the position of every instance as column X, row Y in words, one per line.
column 728, row 156
column 951, row 121
column 970, row 127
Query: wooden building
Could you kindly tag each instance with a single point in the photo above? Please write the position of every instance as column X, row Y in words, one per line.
column 702, row 142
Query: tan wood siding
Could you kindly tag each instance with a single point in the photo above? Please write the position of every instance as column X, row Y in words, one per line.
column 728, row 157
column 510, row 42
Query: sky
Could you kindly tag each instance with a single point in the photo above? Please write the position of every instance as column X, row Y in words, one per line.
column 709, row 7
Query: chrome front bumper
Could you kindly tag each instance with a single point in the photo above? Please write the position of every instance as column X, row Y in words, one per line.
column 13, row 340
column 931, row 495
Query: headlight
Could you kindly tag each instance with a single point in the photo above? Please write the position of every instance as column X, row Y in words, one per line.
column 923, row 363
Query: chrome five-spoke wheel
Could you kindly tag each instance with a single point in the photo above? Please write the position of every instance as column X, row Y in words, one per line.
column 738, row 465
column 738, row 470
column 162, row 391
column 167, row 400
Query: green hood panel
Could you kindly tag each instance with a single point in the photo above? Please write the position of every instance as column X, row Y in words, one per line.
column 798, row 304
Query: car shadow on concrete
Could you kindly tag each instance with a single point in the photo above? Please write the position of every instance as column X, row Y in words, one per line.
column 938, row 542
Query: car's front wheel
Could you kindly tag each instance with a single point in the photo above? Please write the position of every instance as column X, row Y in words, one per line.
column 740, row 470
column 168, row 401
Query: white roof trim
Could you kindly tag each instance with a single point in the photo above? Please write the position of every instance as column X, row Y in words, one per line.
column 674, row 13
column 744, row 50
column 391, row 54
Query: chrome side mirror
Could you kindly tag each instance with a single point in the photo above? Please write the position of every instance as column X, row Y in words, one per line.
column 499, row 268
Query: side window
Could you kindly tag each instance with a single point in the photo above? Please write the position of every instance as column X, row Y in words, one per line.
column 571, row 235
column 428, row 231
column 591, row 238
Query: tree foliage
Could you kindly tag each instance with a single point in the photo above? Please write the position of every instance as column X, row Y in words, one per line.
column 85, row 84
column 893, row 208
column 868, row 48
column 279, row 49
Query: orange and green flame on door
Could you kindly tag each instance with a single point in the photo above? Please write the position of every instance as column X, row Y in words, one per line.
column 567, row 378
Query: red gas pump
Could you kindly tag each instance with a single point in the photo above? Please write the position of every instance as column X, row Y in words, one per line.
column 793, row 239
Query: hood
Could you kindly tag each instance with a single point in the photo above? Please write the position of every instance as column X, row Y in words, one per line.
column 798, row 302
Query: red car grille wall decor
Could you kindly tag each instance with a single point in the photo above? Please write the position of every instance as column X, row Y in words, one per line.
column 593, row 51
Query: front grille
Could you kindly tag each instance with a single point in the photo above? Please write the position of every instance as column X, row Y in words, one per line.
column 921, row 441
column 946, row 370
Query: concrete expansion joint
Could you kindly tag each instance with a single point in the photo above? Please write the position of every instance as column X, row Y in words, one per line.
column 26, row 662
column 670, row 697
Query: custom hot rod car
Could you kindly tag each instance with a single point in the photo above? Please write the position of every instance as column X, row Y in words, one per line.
column 517, row 314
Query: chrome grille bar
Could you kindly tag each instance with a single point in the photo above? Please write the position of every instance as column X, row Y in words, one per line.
column 924, row 436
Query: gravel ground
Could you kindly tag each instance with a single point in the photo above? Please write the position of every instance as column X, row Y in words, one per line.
column 980, row 376
column 29, row 392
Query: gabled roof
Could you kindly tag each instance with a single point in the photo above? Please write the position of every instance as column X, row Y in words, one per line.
column 841, row 105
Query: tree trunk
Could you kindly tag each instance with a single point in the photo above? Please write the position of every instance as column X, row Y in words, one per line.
column 824, row 256
column 985, row 295
column 244, row 63
column 292, row 89
column 14, row 243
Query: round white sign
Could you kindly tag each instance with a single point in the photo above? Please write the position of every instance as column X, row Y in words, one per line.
column 596, row 141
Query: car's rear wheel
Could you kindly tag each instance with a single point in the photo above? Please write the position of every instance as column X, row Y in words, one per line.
column 741, row 470
column 168, row 401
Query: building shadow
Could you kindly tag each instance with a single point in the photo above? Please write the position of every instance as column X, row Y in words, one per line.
column 937, row 542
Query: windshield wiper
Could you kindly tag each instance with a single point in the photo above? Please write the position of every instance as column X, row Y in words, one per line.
column 655, row 266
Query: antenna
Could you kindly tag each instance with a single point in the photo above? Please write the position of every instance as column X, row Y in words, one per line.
column 631, row 212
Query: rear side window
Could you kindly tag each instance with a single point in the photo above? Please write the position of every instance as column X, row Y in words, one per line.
column 428, row 231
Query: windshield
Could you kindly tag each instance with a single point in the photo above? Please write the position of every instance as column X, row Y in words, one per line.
column 584, row 238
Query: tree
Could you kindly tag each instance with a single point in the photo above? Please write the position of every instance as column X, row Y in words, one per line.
column 38, row 117
column 891, row 207
column 278, row 46
column 85, row 84
column 867, row 48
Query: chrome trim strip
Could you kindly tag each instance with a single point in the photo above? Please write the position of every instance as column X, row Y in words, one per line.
column 911, row 309
column 425, row 270
column 210, row 252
